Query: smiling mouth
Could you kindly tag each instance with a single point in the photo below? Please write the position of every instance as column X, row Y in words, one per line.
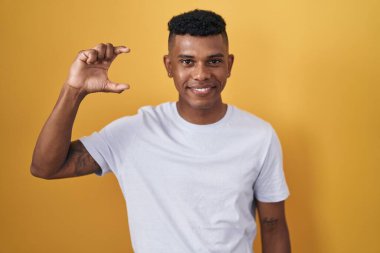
column 201, row 91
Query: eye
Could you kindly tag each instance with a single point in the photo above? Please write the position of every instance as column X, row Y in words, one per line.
column 186, row 61
column 215, row 61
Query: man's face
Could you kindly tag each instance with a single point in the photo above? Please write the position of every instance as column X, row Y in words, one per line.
column 200, row 67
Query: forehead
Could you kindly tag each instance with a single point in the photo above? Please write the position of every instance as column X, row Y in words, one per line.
column 198, row 45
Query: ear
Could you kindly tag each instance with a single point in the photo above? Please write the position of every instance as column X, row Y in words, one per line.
column 231, row 58
column 168, row 65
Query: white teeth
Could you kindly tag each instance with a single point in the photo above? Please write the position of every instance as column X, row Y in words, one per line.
column 201, row 89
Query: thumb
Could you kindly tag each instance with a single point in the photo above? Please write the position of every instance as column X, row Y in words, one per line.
column 115, row 87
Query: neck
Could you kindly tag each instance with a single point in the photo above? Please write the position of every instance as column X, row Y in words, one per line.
column 202, row 116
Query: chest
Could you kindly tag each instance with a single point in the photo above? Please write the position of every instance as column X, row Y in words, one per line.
column 202, row 169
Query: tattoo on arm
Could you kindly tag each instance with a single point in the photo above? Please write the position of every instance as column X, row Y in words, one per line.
column 269, row 223
column 81, row 161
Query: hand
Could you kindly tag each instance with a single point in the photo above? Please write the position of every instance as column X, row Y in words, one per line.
column 89, row 71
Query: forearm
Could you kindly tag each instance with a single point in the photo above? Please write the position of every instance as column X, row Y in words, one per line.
column 55, row 137
column 276, row 239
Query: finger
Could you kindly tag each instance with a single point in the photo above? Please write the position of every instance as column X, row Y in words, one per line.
column 88, row 56
column 121, row 49
column 109, row 52
column 116, row 87
column 101, row 48
column 82, row 56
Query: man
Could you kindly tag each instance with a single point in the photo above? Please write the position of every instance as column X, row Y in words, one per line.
column 192, row 172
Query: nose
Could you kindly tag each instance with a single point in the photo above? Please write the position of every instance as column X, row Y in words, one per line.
column 201, row 72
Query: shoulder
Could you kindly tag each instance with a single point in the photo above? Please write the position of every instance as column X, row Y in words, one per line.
column 147, row 112
column 156, row 114
column 155, row 110
column 247, row 121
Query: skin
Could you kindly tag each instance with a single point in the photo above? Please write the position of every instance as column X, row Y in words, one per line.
column 199, row 62
column 273, row 227
column 193, row 63
column 55, row 155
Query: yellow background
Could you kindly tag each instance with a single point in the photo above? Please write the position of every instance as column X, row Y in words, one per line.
column 311, row 68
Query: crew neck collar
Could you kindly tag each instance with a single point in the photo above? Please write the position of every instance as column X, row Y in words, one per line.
column 200, row 127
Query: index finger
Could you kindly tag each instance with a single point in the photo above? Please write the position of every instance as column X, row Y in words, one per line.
column 121, row 49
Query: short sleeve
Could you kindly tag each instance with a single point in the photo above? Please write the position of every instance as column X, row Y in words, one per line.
column 271, row 185
column 108, row 145
column 97, row 145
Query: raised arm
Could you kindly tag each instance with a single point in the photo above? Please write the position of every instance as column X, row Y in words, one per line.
column 274, row 229
column 55, row 156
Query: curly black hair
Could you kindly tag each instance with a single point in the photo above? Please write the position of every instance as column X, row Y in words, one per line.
column 197, row 23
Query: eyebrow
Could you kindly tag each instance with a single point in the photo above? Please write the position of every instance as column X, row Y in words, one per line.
column 191, row 57
column 185, row 56
column 216, row 55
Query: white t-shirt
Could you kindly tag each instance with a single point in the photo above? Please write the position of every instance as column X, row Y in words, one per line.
column 190, row 188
